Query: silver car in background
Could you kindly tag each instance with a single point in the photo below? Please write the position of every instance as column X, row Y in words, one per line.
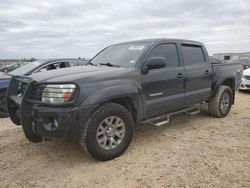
column 245, row 81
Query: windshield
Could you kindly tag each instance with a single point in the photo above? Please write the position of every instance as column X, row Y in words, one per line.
column 26, row 68
column 120, row 55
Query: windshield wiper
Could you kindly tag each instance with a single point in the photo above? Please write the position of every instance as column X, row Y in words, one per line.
column 109, row 64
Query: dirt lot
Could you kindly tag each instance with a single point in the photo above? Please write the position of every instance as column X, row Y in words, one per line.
column 191, row 151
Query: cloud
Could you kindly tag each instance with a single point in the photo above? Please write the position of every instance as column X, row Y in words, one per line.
column 46, row 29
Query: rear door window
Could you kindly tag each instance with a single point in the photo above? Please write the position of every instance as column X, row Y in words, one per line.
column 192, row 55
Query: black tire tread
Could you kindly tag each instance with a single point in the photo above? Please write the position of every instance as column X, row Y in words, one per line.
column 31, row 135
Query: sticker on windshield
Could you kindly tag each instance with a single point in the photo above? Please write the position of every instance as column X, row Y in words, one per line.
column 136, row 47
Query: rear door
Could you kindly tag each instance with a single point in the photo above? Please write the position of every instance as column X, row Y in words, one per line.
column 164, row 87
column 198, row 71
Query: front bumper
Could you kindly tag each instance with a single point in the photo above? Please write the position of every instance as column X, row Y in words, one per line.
column 53, row 122
column 39, row 121
column 245, row 84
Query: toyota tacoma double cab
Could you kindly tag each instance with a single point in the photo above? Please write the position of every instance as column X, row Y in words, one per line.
column 144, row 81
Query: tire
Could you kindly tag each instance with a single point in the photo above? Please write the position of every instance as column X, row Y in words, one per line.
column 5, row 70
column 215, row 106
column 97, row 128
column 29, row 128
column 31, row 135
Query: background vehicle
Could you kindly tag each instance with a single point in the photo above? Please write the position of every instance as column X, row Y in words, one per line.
column 143, row 81
column 244, row 62
column 245, row 81
column 8, row 68
column 215, row 60
column 31, row 68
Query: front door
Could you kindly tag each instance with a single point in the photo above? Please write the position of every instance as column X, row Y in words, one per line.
column 164, row 87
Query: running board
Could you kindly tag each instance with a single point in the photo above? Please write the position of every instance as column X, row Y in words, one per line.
column 194, row 111
column 164, row 119
column 158, row 121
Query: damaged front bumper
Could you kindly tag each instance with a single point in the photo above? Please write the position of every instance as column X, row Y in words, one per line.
column 42, row 121
column 54, row 122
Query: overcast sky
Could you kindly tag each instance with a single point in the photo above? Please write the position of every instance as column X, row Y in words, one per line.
column 73, row 28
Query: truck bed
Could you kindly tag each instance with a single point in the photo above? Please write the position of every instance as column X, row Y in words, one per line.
column 223, row 71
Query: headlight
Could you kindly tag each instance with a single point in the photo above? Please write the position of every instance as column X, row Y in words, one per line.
column 58, row 93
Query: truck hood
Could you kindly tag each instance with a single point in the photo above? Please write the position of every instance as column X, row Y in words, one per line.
column 80, row 74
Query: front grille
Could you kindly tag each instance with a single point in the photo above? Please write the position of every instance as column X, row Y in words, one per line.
column 35, row 92
column 22, row 86
column 247, row 77
column 18, row 86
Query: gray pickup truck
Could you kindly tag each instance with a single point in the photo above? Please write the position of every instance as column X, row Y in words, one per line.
column 143, row 81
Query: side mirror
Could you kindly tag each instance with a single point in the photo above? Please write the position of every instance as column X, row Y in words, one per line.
column 154, row 63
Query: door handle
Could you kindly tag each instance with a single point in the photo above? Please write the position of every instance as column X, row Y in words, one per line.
column 206, row 72
column 180, row 76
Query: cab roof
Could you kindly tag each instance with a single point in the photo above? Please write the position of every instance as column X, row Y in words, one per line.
column 157, row 40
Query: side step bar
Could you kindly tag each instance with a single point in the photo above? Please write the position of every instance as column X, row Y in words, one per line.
column 164, row 119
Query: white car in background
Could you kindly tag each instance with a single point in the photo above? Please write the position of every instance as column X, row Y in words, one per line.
column 245, row 81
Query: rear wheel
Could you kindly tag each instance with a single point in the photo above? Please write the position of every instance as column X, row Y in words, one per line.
column 108, row 132
column 220, row 105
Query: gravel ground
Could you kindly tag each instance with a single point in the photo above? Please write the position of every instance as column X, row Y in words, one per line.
column 191, row 151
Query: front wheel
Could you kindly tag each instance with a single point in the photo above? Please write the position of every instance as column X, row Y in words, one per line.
column 220, row 105
column 108, row 132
